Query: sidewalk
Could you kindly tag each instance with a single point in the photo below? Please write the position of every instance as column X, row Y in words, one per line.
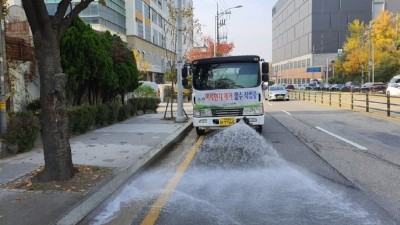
column 123, row 147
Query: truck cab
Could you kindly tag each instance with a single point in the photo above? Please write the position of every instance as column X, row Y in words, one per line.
column 227, row 90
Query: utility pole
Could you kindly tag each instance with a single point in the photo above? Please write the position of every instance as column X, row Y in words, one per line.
column 372, row 53
column 179, row 65
column 327, row 70
column 3, row 60
column 219, row 24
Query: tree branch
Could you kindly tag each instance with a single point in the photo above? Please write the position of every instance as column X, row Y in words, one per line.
column 61, row 9
column 66, row 21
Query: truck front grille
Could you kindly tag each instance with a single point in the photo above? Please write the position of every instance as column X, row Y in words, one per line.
column 227, row 112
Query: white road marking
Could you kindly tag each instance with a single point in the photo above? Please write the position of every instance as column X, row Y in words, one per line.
column 269, row 104
column 343, row 139
column 286, row 112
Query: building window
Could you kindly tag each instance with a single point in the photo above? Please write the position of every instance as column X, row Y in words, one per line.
column 154, row 17
column 138, row 6
column 159, row 21
column 155, row 36
column 163, row 42
column 139, row 28
column 147, row 11
column 148, row 33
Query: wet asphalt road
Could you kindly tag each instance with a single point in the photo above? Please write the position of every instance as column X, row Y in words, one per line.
column 282, row 176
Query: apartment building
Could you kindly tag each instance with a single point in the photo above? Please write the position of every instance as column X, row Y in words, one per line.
column 145, row 25
column 152, row 32
column 111, row 17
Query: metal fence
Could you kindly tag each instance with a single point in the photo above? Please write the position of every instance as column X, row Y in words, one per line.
column 367, row 102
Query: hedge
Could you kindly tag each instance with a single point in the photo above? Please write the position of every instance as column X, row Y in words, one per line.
column 24, row 127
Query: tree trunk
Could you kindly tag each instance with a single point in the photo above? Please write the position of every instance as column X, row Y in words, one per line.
column 47, row 32
column 54, row 117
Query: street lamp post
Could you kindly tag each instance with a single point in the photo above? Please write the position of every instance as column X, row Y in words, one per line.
column 218, row 25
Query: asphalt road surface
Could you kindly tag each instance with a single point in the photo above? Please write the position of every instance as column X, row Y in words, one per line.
column 312, row 164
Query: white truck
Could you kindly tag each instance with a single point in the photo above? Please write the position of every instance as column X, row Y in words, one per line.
column 227, row 90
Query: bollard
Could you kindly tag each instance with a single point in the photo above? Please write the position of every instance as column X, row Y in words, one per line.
column 388, row 105
column 352, row 101
column 340, row 100
column 315, row 96
column 322, row 97
column 367, row 101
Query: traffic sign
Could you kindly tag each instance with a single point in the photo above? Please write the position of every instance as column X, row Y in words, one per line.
column 314, row 69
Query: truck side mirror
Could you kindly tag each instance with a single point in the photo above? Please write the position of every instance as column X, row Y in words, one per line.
column 265, row 67
column 265, row 71
column 265, row 77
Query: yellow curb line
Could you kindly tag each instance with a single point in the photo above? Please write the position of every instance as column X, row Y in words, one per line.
column 157, row 206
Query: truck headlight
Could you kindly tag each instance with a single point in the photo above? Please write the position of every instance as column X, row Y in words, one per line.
column 202, row 113
column 253, row 111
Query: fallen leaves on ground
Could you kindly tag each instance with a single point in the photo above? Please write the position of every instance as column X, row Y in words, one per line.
column 85, row 178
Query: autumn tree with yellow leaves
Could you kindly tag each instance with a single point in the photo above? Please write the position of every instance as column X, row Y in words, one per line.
column 371, row 49
column 142, row 64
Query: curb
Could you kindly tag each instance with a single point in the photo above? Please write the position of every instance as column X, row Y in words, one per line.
column 82, row 209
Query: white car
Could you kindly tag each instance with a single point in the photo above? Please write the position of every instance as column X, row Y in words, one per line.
column 393, row 87
column 276, row 92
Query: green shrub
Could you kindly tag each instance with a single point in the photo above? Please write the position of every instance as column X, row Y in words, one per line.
column 145, row 91
column 132, row 106
column 33, row 106
column 151, row 104
column 81, row 118
column 114, row 112
column 22, row 131
column 103, row 112
column 140, row 102
column 124, row 113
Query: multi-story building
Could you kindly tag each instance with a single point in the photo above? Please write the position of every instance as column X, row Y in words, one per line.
column 109, row 17
column 152, row 32
column 380, row 5
column 307, row 34
column 145, row 25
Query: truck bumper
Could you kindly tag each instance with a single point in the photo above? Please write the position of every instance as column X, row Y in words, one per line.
column 212, row 123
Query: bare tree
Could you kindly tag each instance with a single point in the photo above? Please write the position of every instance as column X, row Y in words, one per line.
column 47, row 32
column 191, row 28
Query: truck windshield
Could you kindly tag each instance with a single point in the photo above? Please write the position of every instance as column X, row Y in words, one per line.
column 226, row 76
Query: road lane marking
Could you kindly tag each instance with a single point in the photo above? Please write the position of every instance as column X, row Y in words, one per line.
column 288, row 113
column 157, row 206
column 343, row 139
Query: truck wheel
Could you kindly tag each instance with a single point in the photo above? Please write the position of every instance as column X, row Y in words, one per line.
column 200, row 131
column 259, row 129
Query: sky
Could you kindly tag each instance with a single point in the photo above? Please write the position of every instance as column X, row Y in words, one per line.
column 248, row 27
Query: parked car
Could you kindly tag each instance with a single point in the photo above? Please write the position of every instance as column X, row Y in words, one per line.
column 327, row 87
column 301, row 86
column 297, row 86
column 289, row 87
column 393, row 87
column 378, row 87
column 314, row 86
column 353, row 86
column 276, row 92
column 335, row 87
column 374, row 87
